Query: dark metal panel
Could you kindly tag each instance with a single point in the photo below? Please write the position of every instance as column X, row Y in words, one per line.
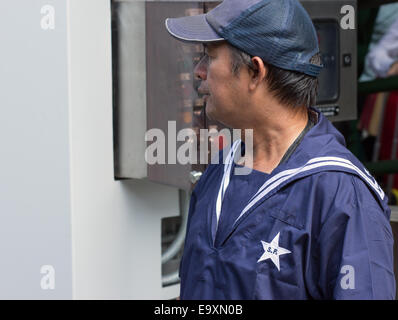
column 327, row 10
column 170, row 85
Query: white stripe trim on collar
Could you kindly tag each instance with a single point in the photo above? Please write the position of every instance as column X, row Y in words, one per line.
column 283, row 177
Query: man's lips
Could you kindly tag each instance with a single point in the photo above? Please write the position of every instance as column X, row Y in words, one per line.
column 203, row 89
column 204, row 92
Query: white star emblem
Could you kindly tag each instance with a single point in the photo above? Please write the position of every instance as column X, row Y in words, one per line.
column 273, row 251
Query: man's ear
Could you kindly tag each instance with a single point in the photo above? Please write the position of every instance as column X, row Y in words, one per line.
column 257, row 72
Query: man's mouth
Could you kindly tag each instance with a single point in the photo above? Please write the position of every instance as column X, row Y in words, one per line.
column 203, row 92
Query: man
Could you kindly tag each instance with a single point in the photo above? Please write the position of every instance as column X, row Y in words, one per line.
column 308, row 222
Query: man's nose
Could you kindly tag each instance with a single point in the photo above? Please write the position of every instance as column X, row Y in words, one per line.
column 200, row 71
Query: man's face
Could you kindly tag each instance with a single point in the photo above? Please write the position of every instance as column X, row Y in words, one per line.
column 224, row 92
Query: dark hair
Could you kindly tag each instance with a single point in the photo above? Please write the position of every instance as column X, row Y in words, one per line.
column 289, row 87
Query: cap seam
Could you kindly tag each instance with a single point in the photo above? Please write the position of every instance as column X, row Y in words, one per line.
column 244, row 14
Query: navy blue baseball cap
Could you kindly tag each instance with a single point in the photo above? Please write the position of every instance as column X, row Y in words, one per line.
column 278, row 31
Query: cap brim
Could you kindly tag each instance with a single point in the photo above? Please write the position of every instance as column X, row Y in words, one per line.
column 192, row 29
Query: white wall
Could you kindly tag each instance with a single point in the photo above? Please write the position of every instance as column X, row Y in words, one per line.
column 115, row 224
column 34, row 156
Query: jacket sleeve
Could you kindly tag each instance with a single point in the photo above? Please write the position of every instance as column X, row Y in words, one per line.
column 354, row 250
column 385, row 52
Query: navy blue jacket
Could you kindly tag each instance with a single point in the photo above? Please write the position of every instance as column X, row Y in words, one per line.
column 318, row 228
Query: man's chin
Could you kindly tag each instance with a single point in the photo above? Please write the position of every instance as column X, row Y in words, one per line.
column 208, row 115
column 208, row 112
column 217, row 121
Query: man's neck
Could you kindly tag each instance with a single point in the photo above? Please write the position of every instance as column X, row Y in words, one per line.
column 273, row 134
